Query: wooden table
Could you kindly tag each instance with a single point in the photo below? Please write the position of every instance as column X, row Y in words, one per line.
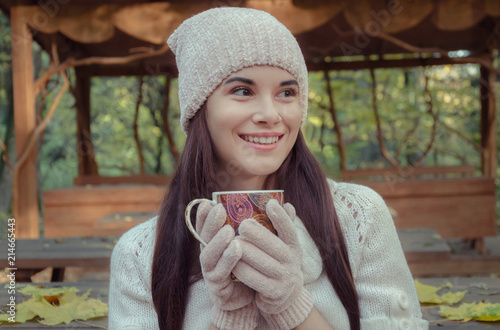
column 99, row 291
column 472, row 285
column 475, row 293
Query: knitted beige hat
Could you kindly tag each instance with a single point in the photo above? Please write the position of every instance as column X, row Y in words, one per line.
column 217, row 42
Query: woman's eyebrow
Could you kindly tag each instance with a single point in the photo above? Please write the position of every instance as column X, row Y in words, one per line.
column 289, row 82
column 240, row 79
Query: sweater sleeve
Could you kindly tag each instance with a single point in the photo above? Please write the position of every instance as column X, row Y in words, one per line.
column 385, row 287
column 130, row 300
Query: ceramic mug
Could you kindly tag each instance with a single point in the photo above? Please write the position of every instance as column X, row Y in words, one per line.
column 239, row 205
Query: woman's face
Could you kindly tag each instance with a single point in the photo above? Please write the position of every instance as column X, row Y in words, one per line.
column 254, row 117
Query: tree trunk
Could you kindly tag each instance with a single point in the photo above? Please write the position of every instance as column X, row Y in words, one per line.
column 166, row 124
column 336, row 123
column 136, row 128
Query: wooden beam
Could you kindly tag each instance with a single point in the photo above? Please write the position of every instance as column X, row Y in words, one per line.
column 488, row 122
column 26, row 210
column 131, row 69
column 379, row 64
column 84, row 146
column 54, row 3
column 169, row 67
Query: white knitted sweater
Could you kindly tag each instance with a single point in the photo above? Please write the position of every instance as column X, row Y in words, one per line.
column 387, row 295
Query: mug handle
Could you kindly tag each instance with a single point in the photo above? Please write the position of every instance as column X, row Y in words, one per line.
column 187, row 215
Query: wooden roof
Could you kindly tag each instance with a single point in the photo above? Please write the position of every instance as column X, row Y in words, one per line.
column 324, row 29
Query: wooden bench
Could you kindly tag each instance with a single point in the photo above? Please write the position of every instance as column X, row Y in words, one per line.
column 99, row 210
column 462, row 208
column 33, row 255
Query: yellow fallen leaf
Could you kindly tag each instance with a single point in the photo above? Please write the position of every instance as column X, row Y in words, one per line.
column 71, row 307
column 31, row 290
column 50, row 314
column 472, row 311
column 427, row 294
column 23, row 314
column 91, row 308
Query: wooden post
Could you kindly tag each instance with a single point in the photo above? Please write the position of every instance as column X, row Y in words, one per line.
column 488, row 123
column 84, row 146
column 25, row 209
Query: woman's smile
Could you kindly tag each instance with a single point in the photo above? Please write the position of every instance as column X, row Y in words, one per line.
column 262, row 141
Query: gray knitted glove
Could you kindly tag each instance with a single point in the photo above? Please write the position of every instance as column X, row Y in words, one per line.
column 271, row 265
column 234, row 303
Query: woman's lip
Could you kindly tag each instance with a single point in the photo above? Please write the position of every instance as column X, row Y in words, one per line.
column 262, row 134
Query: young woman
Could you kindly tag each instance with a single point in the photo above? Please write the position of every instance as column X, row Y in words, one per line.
column 336, row 263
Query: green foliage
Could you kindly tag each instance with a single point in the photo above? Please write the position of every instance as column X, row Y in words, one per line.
column 403, row 107
column 57, row 159
column 112, row 125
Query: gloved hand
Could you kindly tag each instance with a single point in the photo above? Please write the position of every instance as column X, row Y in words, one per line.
column 233, row 302
column 271, row 265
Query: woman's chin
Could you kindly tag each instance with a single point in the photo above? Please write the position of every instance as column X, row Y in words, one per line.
column 263, row 171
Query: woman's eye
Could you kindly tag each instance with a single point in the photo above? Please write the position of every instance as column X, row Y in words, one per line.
column 241, row 91
column 288, row 93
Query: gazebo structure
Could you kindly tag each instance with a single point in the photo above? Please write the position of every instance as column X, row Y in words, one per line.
column 127, row 37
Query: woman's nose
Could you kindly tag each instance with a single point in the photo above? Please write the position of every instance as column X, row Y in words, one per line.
column 267, row 112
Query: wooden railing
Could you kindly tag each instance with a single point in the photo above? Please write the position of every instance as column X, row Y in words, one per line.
column 408, row 172
column 83, row 180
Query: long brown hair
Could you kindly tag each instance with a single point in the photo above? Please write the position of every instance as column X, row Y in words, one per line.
column 175, row 261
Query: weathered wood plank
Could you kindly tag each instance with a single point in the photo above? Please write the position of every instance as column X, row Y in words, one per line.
column 432, row 187
column 455, row 266
column 160, row 180
column 42, row 253
column 450, row 216
column 78, row 212
column 407, row 172
column 103, row 195
column 461, row 207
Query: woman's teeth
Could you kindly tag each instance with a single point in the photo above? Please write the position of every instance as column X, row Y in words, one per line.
column 261, row 140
